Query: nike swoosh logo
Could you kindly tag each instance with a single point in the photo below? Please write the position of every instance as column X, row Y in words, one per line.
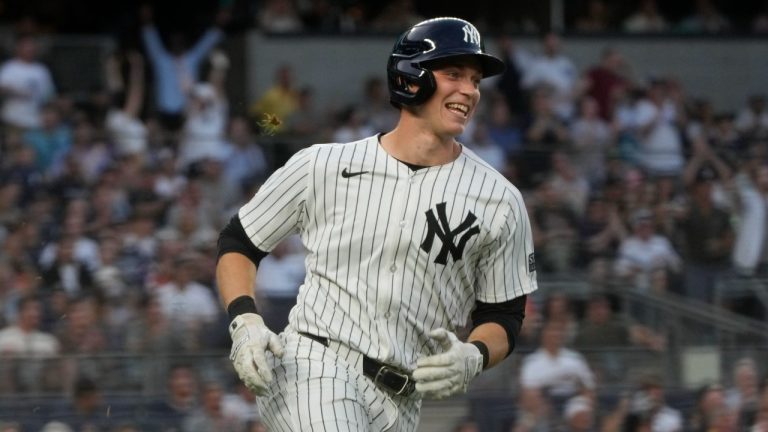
column 346, row 174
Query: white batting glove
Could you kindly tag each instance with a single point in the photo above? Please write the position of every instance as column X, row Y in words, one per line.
column 441, row 375
column 251, row 340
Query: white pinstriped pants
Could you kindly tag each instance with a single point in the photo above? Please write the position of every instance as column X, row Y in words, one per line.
column 322, row 389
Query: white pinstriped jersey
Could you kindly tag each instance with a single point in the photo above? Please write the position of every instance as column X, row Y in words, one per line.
column 393, row 253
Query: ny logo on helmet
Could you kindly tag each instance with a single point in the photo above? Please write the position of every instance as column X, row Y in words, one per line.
column 471, row 34
column 438, row 226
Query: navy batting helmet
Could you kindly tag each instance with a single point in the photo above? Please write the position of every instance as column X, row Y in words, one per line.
column 430, row 40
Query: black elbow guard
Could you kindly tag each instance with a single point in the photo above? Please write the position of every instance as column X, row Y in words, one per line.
column 509, row 315
column 234, row 239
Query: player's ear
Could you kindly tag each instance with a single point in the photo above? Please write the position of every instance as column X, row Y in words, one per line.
column 410, row 87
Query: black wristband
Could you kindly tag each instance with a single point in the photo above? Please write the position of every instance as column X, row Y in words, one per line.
column 483, row 348
column 241, row 305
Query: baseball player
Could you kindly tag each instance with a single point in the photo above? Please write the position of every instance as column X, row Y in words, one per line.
column 408, row 234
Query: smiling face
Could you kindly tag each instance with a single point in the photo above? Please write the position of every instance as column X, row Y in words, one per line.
column 458, row 92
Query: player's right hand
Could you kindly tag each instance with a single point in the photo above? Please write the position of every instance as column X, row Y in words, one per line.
column 251, row 339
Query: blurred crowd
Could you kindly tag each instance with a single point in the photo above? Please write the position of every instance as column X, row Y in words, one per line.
column 110, row 209
column 358, row 16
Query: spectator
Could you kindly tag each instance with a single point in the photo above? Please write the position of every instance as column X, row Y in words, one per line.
column 322, row 16
column 580, row 414
column 90, row 154
column 603, row 333
column 353, row 17
column 503, row 127
column 209, row 416
column 189, row 214
column 707, row 238
column 176, row 67
column 544, row 132
column 240, row 404
column 554, row 70
column 246, row 163
column 711, row 412
column 217, row 191
column 661, row 147
column 151, row 331
column 592, row 138
column 649, row 404
column 279, row 16
column 752, row 120
column 759, row 22
column 486, row 148
column 25, row 84
column 51, row 141
column 725, row 140
column 83, row 337
column 569, row 182
column 605, row 80
column 646, row 19
column 123, row 123
column 601, row 231
column 645, row 253
column 187, row 305
column 351, row 126
column 395, row 16
column 558, row 309
column 375, row 107
column 554, row 230
column 206, row 114
column 510, row 82
column 20, row 254
column 743, row 395
column 534, row 412
column 26, row 350
column 306, row 120
column 280, row 100
column 88, row 411
column 179, row 401
column 751, row 183
column 704, row 19
column 700, row 123
column 603, row 327
column 169, row 182
column 66, row 272
column 596, row 19
column 85, row 249
column 557, row 371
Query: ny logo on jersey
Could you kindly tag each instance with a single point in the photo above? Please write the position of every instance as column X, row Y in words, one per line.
column 471, row 34
column 438, row 226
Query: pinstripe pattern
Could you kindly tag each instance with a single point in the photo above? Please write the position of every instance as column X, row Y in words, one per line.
column 315, row 388
column 370, row 283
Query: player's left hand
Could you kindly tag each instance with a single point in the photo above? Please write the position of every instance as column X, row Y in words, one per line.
column 441, row 375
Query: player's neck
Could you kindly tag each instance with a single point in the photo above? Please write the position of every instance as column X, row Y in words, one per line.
column 420, row 146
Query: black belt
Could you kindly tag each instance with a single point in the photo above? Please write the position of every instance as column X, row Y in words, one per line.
column 393, row 380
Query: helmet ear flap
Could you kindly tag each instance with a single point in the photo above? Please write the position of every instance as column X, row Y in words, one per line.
column 408, row 88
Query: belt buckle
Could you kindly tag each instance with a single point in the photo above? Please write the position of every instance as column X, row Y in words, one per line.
column 387, row 370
